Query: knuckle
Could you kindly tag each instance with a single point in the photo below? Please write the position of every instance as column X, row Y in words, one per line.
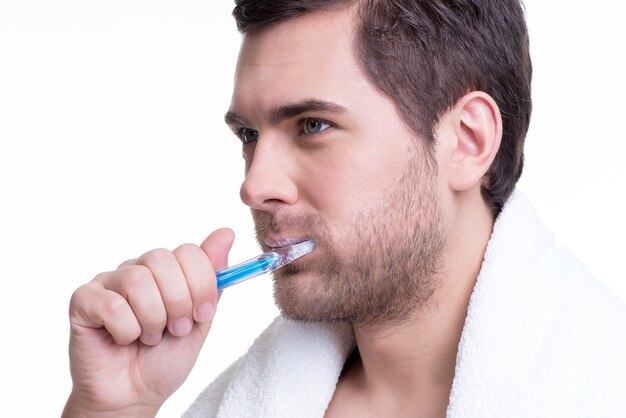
column 78, row 296
column 113, row 305
column 186, row 249
column 179, row 303
column 135, row 276
column 127, row 262
column 101, row 277
column 155, row 257
column 157, row 320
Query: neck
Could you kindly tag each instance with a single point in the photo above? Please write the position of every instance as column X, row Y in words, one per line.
column 413, row 362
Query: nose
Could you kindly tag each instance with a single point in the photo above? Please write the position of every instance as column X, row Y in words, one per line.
column 269, row 180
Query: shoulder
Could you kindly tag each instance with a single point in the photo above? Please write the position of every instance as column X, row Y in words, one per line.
column 585, row 346
column 541, row 335
column 591, row 315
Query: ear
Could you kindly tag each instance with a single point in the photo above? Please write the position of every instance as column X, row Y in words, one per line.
column 476, row 125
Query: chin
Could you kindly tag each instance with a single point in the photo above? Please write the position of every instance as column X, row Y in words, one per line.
column 294, row 281
column 303, row 295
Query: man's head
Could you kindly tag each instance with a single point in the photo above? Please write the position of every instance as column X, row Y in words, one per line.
column 331, row 155
column 426, row 54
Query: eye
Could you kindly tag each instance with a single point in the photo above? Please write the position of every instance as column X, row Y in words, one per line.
column 248, row 135
column 312, row 126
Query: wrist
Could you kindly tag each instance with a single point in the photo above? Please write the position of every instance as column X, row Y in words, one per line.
column 76, row 408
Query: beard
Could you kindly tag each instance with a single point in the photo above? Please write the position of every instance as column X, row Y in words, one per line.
column 376, row 270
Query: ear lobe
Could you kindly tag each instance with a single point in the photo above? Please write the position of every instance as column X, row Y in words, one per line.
column 478, row 130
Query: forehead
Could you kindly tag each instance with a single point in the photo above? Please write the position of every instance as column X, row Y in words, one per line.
column 321, row 32
column 308, row 56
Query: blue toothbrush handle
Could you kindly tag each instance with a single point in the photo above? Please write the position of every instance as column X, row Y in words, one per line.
column 246, row 270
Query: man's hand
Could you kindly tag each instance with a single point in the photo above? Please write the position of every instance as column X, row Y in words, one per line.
column 136, row 332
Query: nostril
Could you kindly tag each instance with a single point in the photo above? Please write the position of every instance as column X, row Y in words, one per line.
column 273, row 201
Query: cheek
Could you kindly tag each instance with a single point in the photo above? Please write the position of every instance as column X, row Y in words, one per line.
column 338, row 189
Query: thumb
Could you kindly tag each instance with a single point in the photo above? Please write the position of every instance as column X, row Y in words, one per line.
column 217, row 246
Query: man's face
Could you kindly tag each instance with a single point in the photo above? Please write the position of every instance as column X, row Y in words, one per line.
column 329, row 158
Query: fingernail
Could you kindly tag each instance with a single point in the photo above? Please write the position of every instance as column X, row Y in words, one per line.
column 182, row 326
column 205, row 312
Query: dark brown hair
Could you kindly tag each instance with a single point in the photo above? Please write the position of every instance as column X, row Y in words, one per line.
column 426, row 54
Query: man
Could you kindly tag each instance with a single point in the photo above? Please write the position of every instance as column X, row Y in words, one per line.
column 391, row 133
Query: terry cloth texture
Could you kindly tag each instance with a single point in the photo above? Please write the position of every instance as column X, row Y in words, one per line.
column 541, row 339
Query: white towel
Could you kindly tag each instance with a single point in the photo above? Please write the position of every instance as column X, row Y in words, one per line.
column 290, row 371
column 541, row 339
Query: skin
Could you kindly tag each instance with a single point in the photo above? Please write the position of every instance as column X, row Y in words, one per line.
column 118, row 369
column 301, row 184
column 380, row 221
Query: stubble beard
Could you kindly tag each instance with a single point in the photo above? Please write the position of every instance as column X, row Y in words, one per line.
column 385, row 266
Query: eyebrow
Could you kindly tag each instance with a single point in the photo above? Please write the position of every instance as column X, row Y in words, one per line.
column 235, row 121
column 287, row 111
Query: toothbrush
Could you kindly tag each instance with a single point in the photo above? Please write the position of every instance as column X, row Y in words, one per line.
column 261, row 264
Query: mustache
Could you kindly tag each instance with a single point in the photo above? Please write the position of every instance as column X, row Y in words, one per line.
column 280, row 221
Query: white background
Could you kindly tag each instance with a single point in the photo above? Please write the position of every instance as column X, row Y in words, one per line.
column 112, row 143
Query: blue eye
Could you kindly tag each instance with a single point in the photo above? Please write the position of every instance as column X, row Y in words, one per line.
column 312, row 126
column 248, row 135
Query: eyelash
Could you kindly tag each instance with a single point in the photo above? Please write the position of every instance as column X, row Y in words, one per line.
column 241, row 132
column 302, row 123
